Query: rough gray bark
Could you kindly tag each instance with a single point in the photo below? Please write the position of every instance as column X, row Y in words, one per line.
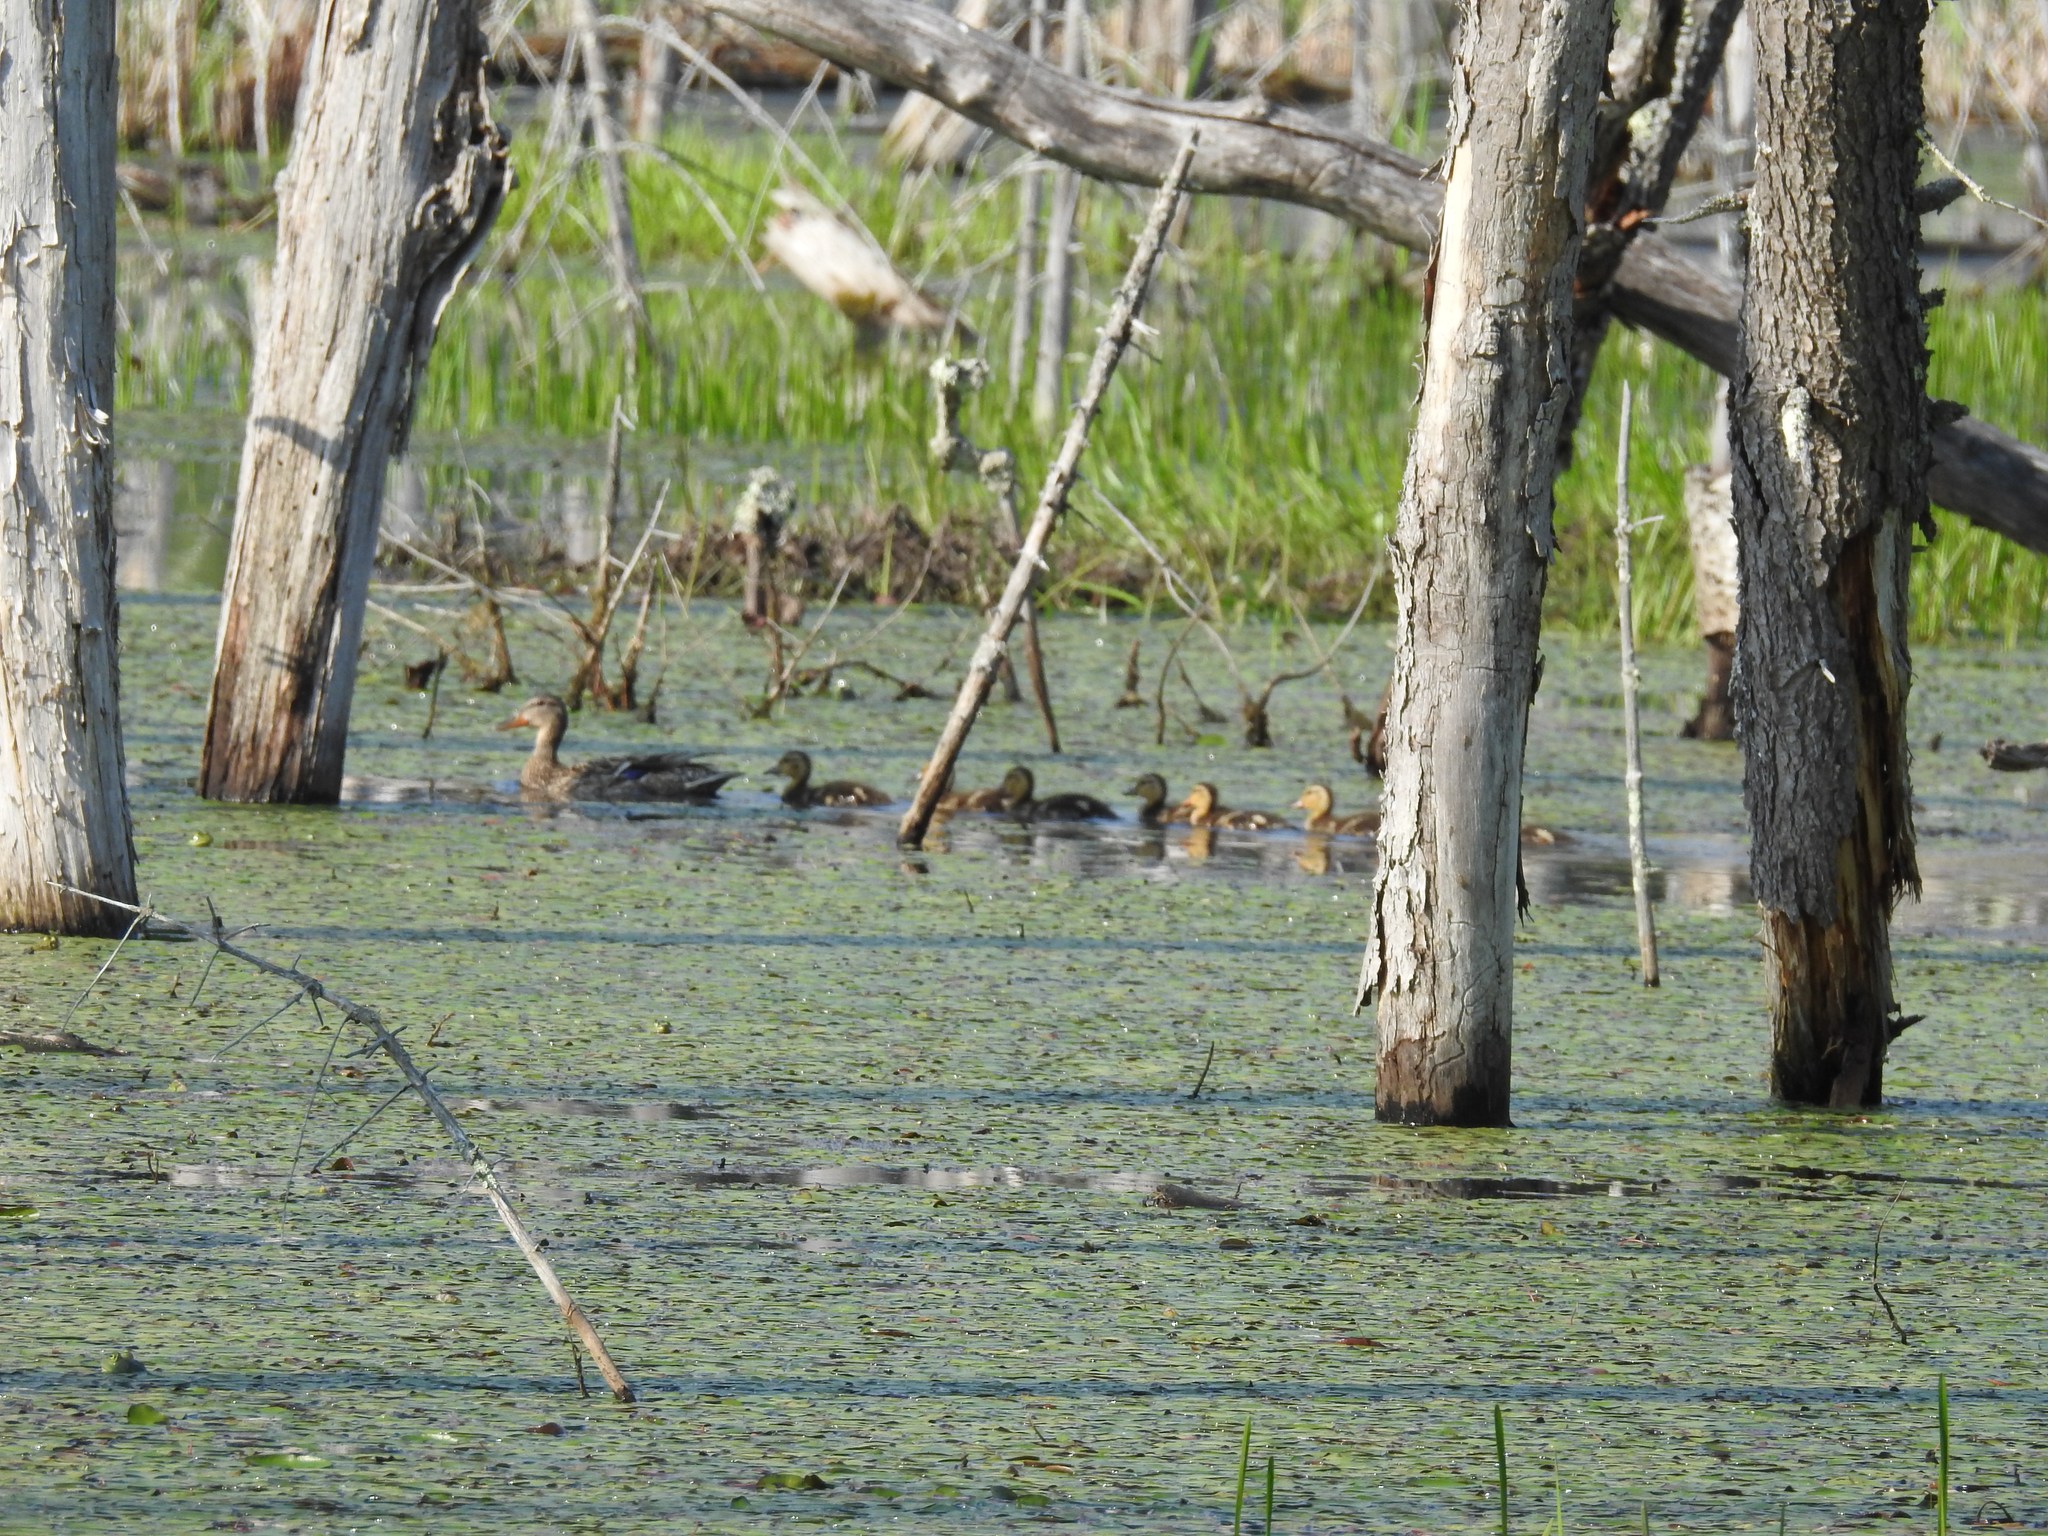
column 396, row 174
column 1471, row 543
column 63, row 805
column 1252, row 148
column 1830, row 453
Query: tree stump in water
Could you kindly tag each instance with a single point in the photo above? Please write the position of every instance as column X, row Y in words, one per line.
column 63, row 803
column 395, row 177
column 1831, row 450
column 1471, row 542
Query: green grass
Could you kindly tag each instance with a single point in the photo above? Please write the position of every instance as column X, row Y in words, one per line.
column 1261, row 439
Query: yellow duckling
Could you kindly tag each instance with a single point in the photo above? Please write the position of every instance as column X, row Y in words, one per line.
column 1322, row 816
column 1205, row 810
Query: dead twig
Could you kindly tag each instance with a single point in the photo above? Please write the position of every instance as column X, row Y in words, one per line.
column 1876, row 1282
column 1631, row 715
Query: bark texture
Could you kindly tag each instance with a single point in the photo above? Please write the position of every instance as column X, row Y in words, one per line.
column 1252, row 148
column 396, row 175
column 1830, row 471
column 1470, row 547
column 63, row 805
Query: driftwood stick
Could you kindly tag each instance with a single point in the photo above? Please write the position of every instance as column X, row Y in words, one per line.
column 997, row 468
column 383, row 1039
column 1631, row 683
column 1052, row 500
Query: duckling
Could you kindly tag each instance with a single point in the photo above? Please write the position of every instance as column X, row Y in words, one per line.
column 1020, row 789
column 953, row 801
column 802, row 794
column 650, row 776
column 1317, row 801
column 1204, row 810
column 1153, row 811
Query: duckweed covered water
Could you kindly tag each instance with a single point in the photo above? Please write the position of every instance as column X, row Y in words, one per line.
column 883, row 1179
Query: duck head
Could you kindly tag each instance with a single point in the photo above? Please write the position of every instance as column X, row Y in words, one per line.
column 1316, row 800
column 543, row 713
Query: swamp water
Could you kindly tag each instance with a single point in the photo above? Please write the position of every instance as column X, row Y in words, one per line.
column 883, row 1181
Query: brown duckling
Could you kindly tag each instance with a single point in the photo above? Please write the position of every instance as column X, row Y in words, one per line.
column 953, row 801
column 1021, row 790
column 1153, row 811
column 1322, row 816
column 650, row 776
column 802, row 794
column 1205, row 810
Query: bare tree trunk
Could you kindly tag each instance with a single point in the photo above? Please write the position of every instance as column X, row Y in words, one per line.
column 63, row 804
column 1365, row 109
column 1710, row 524
column 1471, row 542
column 174, row 76
column 1025, row 282
column 1831, row 455
column 611, row 172
column 395, row 176
column 1735, row 125
column 1056, row 297
column 656, row 87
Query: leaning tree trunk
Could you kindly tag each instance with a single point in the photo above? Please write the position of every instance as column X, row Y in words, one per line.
column 1470, row 546
column 1831, row 450
column 395, row 176
column 63, row 804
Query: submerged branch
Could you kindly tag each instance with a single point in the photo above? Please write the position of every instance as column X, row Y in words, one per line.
column 382, row 1039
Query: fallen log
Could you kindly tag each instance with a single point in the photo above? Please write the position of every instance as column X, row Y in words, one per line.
column 1253, row 148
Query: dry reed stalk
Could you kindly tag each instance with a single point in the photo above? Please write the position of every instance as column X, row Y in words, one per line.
column 1631, row 683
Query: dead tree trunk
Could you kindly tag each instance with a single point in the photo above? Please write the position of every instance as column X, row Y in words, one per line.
column 1830, row 456
column 1056, row 292
column 611, row 172
column 655, row 83
column 396, row 174
column 1710, row 524
column 63, row 804
column 1471, row 542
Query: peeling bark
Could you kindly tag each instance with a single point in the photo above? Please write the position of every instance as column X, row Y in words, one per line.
column 63, row 804
column 1471, row 543
column 1830, row 472
column 396, row 174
